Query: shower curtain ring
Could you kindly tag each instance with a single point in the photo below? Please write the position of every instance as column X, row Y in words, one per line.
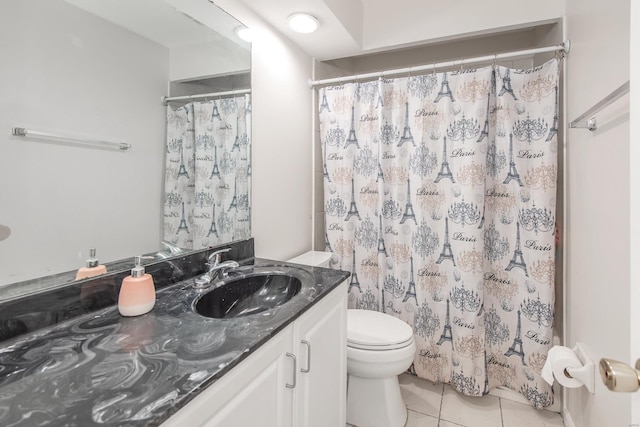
column 495, row 59
column 461, row 64
column 433, row 68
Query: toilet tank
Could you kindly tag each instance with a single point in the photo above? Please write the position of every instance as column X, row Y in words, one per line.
column 313, row 258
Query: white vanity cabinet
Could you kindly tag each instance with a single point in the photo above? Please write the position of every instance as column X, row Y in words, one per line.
column 320, row 339
column 296, row 379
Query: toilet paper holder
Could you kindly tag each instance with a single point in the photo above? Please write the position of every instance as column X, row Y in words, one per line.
column 586, row 374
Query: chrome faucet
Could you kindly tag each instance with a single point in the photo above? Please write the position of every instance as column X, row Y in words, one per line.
column 216, row 268
column 169, row 250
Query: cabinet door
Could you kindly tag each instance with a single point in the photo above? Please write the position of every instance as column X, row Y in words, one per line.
column 254, row 393
column 320, row 340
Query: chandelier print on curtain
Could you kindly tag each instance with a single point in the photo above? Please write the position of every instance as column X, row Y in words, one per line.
column 440, row 193
column 207, row 173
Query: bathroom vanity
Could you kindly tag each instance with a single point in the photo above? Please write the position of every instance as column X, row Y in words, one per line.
column 285, row 366
column 298, row 378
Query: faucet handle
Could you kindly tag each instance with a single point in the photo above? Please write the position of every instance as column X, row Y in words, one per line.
column 214, row 257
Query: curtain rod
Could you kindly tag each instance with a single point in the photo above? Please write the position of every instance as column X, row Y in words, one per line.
column 167, row 99
column 592, row 123
column 564, row 47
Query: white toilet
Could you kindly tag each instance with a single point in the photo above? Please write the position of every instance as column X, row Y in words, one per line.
column 379, row 348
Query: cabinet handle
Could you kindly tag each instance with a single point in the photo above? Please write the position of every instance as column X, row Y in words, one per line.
column 308, row 344
column 293, row 356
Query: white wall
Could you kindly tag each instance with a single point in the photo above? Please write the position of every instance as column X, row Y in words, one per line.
column 634, row 160
column 409, row 21
column 597, row 227
column 63, row 70
column 282, row 140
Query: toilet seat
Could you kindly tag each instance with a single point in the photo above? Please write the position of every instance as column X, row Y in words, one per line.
column 375, row 331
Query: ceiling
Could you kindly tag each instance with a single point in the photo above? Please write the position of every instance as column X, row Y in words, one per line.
column 348, row 27
column 355, row 27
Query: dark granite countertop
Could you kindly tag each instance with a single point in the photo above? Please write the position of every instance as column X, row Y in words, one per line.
column 99, row 368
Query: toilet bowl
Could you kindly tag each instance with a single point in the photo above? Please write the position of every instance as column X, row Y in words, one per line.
column 379, row 348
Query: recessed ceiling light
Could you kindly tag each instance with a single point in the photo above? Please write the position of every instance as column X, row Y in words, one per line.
column 303, row 23
column 244, row 33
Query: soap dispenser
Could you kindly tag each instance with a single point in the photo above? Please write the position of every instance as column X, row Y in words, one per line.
column 138, row 292
column 93, row 267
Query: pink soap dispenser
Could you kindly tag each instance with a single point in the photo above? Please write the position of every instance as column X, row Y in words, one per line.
column 138, row 292
column 93, row 267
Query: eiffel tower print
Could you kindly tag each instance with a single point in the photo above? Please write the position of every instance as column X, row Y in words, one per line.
column 506, row 85
column 325, row 171
column 327, row 245
column 406, row 136
column 517, row 260
column 234, row 200
column 183, row 222
column 381, row 247
column 485, row 132
column 516, row 347
column 445, row 171
column 554, row 129
column 354, row 276
column 352, row 139
column 212, row 229
column 408, row 209
column 236, row 142
column 446, row 332
column 446, row 247
column 380, row 174
column 324, row 105
column 445, row 90
column 411, row 291
column 215, row 113
column 216, row 170
column 353, row 209
column 182, row 171
column 512, row 175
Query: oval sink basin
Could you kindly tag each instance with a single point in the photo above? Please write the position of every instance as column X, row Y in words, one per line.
column 252, row 293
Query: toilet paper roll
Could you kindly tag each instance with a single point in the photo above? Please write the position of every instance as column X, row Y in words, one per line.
column 560, row 358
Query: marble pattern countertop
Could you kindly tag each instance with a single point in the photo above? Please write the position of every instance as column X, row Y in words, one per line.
column 103, row 369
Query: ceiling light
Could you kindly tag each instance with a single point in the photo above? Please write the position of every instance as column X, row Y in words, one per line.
column 244, row 33
column 303, row 23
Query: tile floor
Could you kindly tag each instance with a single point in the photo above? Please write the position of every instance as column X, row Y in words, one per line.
column 438, row 405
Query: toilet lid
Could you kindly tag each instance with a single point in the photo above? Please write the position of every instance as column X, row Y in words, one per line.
column 372, row 330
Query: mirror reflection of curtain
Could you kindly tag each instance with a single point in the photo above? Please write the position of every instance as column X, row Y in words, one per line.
column 440, row 194
column 208, row 173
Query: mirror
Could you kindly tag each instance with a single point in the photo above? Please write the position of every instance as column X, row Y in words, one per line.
column 86, row 70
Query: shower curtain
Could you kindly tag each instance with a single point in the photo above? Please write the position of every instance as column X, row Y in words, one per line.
column 440, row 193
column 208, row 172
